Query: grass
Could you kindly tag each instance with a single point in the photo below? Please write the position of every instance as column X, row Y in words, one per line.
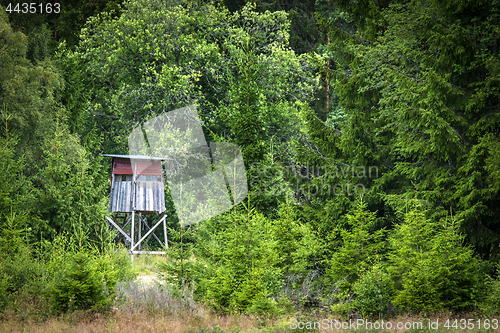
column 154, row 307
column 200, row 320
column 125, row 320
column 139, row 307
column 147, row 264
column 145, row 305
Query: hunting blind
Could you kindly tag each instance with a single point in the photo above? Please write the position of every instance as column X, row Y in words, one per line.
column 137, row 187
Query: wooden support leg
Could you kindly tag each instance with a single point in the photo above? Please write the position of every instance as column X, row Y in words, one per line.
column 165, row 232
column 148, row 228
column 125, row 221
column 139, row 225
column 132, row 240
column 147, row 234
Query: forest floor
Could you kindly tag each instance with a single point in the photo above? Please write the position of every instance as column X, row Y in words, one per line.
column 200, row 321
column 143, row 305
column 146, row 304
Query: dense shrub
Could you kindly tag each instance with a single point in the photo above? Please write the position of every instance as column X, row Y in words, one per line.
column 373, row 292
column 264, row 305
column 234, row 265
column 362, row 245
column 491, row 304
column 17, row 267
column 432, row 268
column 65, row 274
column 81, row 276
column 80, row 286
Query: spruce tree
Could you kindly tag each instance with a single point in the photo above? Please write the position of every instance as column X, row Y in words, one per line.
column 418, row 82
column 430, row 265
column 362, row 246
column 68, row 193
column 244, row 268
column 79, row 287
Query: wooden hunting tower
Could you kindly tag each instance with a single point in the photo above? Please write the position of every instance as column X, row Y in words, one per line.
column 137, row 187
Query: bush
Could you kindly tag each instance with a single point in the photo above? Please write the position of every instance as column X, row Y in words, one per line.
column 219, row 298
column 79, row 276
column 362, row 245
column 80, row 287
column 234, row 264
column 18, row 268
column 373, row 292
column 264, row 305
column 491, row 305
column 248, row 292
column 3, row 291
column 422, row 289
column 431, row 267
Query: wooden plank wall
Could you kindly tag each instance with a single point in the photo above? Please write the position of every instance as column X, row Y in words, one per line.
column 121, row 194
column 149, row 196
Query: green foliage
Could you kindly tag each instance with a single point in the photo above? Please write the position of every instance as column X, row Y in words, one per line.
column 80, row 274
column 242, row 263
column 28, row 94
column 304, row 32
column 74, row 15
column 264, row 306
column 236, row 67
column 4, row 286
column 56, row 273
column 79, row 287
column 246, row 103
column 56, row 169
column 362, row 246
column 491, row 304
column 67, row 274
column 419, row 86
column 63, row 23
column 295, row 241
column 431, row 267
column 373, row 292
column 68, row 195
column 410, row 88
column 181, row 268
column 76, row 95
column 18, row 268
column 15, row 187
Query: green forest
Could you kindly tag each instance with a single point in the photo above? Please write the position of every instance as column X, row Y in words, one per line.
column 370, row 134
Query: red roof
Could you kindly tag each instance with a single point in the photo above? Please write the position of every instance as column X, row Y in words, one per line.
column 123, row 166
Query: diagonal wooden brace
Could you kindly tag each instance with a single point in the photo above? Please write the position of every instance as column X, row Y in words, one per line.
column 150, row 231
column 119, row 229
column 147, row 226
column 127, row 221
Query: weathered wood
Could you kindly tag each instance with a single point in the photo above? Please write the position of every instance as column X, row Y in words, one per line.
column 117, row 227
column 140, row 229
column 132, row 238
column 150, row 231
column 129, row 194
column 133, row 193
column 165, row 232
column 153, row 234
column 147, row 252
column 149, row 197
column 126, row 219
